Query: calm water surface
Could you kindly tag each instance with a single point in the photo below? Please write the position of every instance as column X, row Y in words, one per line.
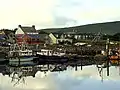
column 87, row 79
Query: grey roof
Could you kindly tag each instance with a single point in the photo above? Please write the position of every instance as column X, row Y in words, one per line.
column 28, row 29
column 7, row 31
column 10, row 35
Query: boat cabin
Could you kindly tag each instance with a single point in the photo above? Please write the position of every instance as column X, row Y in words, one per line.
column 50, row 53
column 21, row 53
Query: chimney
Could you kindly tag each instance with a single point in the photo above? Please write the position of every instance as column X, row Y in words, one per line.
column 19, row 26
column 15, row 30
column 33, row 26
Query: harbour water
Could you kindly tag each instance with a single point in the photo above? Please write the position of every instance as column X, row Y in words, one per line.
column 89, row 78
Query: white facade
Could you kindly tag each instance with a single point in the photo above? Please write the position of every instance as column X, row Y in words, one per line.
column 69, row 40
column 19, row 31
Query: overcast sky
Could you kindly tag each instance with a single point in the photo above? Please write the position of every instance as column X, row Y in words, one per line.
column 57, row 13
column 87, row 79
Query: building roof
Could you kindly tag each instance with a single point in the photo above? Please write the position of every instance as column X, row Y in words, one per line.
column 28, row 29
column 2, row 36
column 2, row 39
column 57, row 35
column 8, row 32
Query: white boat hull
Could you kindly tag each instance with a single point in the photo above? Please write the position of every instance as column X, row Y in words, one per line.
column 22, row 61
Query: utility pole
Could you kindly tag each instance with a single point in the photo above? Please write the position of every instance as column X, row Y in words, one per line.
column 107, row 52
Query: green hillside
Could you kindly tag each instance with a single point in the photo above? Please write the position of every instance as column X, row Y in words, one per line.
column 107, row 27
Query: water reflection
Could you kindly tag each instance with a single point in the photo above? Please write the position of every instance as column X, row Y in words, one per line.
column 88, row 79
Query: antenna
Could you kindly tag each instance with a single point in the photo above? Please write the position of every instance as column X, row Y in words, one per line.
column 97, row 37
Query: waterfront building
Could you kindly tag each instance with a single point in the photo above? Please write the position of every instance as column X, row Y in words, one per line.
column 27, row 35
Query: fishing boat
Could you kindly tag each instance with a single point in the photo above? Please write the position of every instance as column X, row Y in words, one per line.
column 21, row 52
column 22, row 61
column 48, row 52
column 23, row 58
column 19, row 57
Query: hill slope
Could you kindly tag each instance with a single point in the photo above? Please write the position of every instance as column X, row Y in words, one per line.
column 108, row 28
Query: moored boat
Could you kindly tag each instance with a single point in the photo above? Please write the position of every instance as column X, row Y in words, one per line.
column 21, row 57
column 23, row 61
column 48, row 52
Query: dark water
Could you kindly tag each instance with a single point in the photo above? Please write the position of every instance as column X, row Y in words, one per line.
column 86, row 79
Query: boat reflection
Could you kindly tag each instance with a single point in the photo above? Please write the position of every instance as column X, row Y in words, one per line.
column 20, row 72
column 31, row 77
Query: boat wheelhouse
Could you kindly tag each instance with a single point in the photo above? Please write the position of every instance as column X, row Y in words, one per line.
column 48, row 52
column 21, row 52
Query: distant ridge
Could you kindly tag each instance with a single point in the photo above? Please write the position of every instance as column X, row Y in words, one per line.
column 107, row 28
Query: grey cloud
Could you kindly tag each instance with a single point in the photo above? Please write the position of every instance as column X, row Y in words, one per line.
column 62, row 21
column 69, row 3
